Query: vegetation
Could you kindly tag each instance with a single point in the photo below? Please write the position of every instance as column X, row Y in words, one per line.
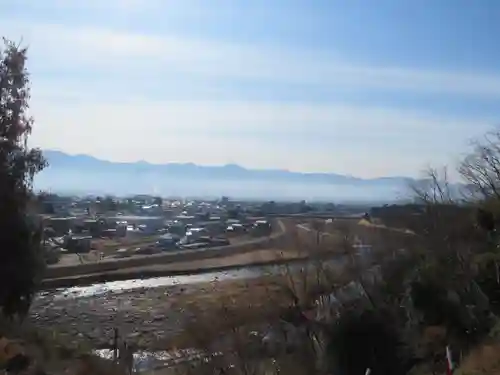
column 19, row 236
column 442, row 289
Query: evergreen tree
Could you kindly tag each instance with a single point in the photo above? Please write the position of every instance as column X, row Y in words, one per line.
column 20, row 237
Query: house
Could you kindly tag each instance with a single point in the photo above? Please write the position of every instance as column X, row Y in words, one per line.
column 62, row 225
column 152, row 223
column 177, row 228
column 193, row 234
column 261, row 228
column 185, row 219
column 168, row 241
column 79, row 244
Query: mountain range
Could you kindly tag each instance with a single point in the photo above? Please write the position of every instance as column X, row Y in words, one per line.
column 87, row 174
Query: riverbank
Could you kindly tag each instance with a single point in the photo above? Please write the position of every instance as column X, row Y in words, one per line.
column 152, row 318
column 257, row 258
column 156, row 314
column 111, row 265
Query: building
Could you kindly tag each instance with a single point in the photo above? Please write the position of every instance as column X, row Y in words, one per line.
column 177, row 228
column 168, row 241
column 186, row 219
column 79, row 244
column 261, row 228
column 213, row 228
column 193, row 234
column 152, row 223
column 62, row 225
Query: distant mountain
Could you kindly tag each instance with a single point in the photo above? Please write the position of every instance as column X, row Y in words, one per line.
column 60, row 160
column 87, row 173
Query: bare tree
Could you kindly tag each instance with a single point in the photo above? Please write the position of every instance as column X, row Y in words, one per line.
column 444, row 226
column 481, row 168
column 449, row 242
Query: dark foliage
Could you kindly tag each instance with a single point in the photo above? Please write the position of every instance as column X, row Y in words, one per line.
column 463, row 320
column 398, row 216
column 17, row 364
column 431, row 300
column 489, row 281
column 19, row 235
column 485, row 219
column 365, row 339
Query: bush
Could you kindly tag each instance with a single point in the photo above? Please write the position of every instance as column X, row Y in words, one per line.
column 365, row 339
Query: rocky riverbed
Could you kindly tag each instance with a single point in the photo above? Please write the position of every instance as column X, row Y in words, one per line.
column 155, row 314
column 142, row 316
column 147, row 317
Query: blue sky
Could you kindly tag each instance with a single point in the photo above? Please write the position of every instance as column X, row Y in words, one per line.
column 349, row 86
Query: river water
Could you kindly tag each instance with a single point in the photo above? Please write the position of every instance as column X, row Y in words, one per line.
column 128, row 285
column 144, row 360
column 147, row 361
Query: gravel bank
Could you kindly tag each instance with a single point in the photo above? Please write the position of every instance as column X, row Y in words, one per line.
column 257, row 257
column 142, row 316
column 147, row 317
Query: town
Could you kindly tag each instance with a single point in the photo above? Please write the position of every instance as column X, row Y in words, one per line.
column 92, row 229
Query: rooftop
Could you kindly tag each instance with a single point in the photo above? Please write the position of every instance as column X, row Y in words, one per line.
column 134, row 217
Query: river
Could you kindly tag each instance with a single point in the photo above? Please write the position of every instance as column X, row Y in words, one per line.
column 166, row 281
column 138, row 306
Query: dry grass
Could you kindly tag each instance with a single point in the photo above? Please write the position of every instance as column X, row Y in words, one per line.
column 247, row 304
column 379, row 225
column 109, row 246
column 484, row 360
column 256, row 256
column 49, row 352
column 228, row 314
column 219, row 307
column 89, row 364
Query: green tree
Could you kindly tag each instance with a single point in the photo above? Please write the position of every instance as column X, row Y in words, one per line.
column 20, row 236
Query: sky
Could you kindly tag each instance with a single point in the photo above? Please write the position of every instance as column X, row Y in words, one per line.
column 359, row 87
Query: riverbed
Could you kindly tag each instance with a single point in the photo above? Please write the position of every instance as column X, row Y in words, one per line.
column 157, row 315
column 147, row 312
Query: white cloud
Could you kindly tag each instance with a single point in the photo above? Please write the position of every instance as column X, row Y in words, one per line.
column 151, row 56
column 91, row 5
column 341, row 138
column 337, row 137
column 236, row 118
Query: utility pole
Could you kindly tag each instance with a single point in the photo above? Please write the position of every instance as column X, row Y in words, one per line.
column 115, row 345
